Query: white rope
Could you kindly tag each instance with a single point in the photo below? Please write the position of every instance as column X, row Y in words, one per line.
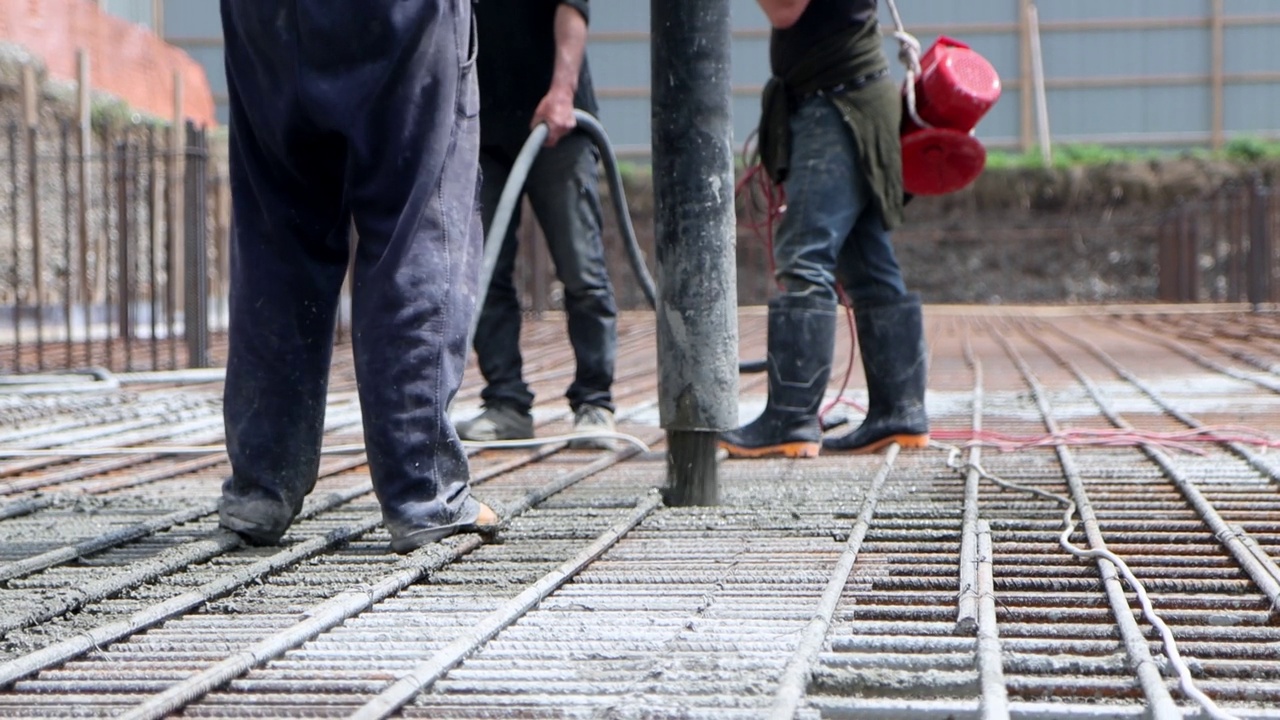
column 909, row 56
column 1185, row 681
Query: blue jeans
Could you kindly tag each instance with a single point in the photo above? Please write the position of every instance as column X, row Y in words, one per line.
column 328, row 127
column 832, row 227
column 562, row 189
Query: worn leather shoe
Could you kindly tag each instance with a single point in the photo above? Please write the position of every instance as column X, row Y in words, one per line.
column 497, row 422
column 486, row 523
column 259, row 522
column 593, row 419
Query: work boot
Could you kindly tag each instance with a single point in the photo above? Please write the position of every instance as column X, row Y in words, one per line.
column 261, row 513
column 891, row 337
column 497, row 422
column 801, row 341
column 593, row 419
column 258, row 521
column 480, row 519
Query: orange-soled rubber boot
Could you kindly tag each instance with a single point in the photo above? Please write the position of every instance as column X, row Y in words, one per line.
column 801, row 341
column 891, row 338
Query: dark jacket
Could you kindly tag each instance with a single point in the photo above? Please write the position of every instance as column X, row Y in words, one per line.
column 850, row 67
column 516, row 62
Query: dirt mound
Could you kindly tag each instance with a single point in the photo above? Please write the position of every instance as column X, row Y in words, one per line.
column 1083, row 234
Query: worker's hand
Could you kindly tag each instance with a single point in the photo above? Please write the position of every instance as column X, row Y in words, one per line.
column 556, row 110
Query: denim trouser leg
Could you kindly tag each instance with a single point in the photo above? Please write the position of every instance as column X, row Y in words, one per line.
column 562, row 189
column 497, row 340
column 832, row 225
column 380, row 127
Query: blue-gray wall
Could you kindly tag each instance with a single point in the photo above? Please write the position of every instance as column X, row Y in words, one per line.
column 1132, row 72
column 138, row 11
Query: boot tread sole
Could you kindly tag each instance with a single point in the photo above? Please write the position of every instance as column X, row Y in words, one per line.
column 790, row 450
column 905, row 441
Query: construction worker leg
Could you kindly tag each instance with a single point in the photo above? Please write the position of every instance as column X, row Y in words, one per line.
column 497, row 340
column 410, row 111
column 288, row 259
column 564, row 192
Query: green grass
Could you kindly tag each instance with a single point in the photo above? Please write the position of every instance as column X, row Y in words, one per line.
column 1241, row 150
column 1244, row 149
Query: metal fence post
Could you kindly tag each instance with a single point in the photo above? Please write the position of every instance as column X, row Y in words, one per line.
column 124, row 254
column 68, row 294
column 15, row 261
column 31, row 113
column 196, row 307
column 1260, row 254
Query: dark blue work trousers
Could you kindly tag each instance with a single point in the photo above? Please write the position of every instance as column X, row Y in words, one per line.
column 832, row 227
column 345, row 112
column 562, row 189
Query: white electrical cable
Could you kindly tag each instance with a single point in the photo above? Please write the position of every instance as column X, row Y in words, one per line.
column 72, row 381
column 97, row 378
column 351, row 449
column 1185, row 681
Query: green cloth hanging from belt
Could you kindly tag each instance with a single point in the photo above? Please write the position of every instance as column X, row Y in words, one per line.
column 851, row 68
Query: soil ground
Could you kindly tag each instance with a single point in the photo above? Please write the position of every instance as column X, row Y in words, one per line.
column 1062, row 235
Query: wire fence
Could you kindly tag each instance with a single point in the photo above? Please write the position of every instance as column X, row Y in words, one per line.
column 1222, row 248
column 115, row 257
column 118, row 257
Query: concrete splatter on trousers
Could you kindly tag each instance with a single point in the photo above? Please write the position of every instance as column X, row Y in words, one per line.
column 350, row 112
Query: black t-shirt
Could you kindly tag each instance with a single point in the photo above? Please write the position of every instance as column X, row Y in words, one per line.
column 819, row 21
column 516, row 61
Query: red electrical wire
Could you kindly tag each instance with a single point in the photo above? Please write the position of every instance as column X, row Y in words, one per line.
column 848, row 369
column 755, row 184
column 1183, row 440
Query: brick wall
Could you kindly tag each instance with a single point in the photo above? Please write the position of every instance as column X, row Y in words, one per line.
column 126, row 60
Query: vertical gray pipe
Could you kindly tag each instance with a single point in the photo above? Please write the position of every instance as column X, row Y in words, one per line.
column 694, row 230
column 1260, row 251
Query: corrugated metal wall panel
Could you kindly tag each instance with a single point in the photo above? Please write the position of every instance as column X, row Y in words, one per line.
column 619, row 65
column 933, row 12
column 1251, row 106
column 1001, row 125
column 614, row 16
column 1250, row 49
column 627, row 122
column 215, row 70
column 745, row 13
column 138, row 11
column 196, row 27
column 1082, row 61
column 1113, row 9
column 1124, row 53
column 1249, row 7
column 1107, row 85
column 188, row 19
column 750, row 61
column 1081, row 112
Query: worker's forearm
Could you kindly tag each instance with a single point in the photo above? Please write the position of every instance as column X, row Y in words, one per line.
column 571, row 46
column 783, row 14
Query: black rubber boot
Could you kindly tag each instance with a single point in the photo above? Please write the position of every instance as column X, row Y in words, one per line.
column 891, row 336
column 801, row 342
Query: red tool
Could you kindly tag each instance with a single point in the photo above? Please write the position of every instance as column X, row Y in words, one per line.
column 955, row 88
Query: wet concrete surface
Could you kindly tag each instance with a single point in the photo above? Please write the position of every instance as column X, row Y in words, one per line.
column 691, row 611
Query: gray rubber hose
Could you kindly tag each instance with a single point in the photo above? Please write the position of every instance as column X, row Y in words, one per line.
column 514, row 189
